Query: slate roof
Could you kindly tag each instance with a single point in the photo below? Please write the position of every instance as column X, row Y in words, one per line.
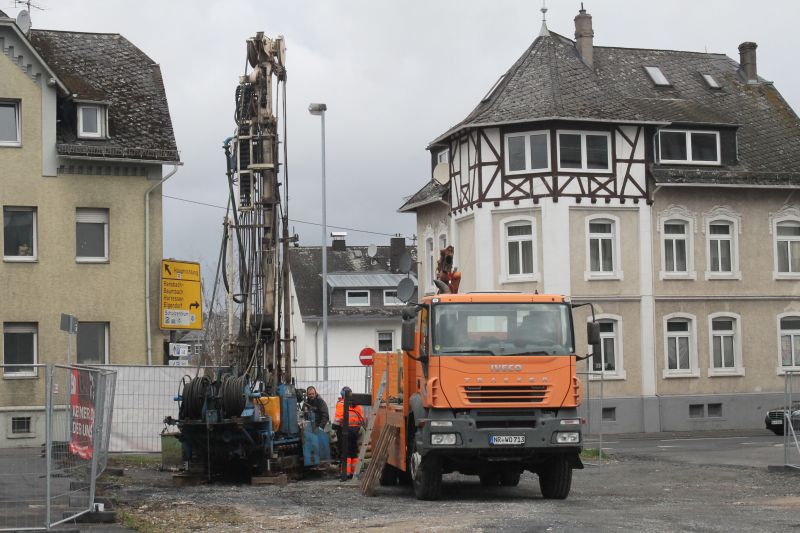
column 551, row 81
column 306, row 267
column 106, row 67
column 429, row 193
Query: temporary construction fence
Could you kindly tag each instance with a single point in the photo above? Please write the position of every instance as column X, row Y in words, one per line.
column 50, row 480
column 791, row 419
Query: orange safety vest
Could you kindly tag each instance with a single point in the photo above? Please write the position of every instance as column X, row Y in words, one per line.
column 355, row 419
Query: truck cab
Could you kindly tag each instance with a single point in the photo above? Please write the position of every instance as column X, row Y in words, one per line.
column 489, row 388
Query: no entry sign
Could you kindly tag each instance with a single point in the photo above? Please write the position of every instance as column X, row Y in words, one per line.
column 366, row 356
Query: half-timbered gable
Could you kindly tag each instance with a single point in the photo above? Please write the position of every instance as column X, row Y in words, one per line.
column 659, row 185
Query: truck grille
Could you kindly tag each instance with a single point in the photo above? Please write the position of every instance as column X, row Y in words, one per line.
column 483, row 394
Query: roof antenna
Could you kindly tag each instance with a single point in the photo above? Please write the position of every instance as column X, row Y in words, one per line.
column 544, row 31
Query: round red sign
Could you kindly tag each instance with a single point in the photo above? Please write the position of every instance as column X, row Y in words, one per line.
column 366, row 356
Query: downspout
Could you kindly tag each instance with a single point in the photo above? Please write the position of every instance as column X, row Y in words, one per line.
column 316, row 351
column 147, row 261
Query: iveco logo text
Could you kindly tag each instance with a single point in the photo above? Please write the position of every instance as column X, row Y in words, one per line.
column 505, row 368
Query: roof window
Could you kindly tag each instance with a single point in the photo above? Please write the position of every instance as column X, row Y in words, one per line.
column 712, row 83
column 657, row 76
column 491, row 91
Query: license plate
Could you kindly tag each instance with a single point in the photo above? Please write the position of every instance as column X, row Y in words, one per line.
column 506, row 440
column 776, row 421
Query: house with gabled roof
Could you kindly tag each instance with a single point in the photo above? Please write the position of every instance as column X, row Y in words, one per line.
column 364, row 310
column 86, row 139
column 662, row 186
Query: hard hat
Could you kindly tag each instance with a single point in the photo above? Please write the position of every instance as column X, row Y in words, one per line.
column 345, row 391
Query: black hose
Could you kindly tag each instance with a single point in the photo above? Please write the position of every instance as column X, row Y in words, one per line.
column 194, row 396
column 233, row 395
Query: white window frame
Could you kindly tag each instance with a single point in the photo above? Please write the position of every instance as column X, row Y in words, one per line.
column 378, row 339
column 347, row 298
column 22, row 258
column 693, row 371
column 505, row 277
column 781, row 370
column 688, row 223
column 17, row 108
column 583, row 135
column 738, row 367
column 619, row 372
column 528, row 168
column 443, row 156
column 688, row 139
column 777, row 274
column 106, row 340
column 93, row 216
column 733, row 222
column 430, row 254
column 657, row 76
column 393, row 300
column 616, row 273
column 442, row 241
column 22, row 327
column 102, row 121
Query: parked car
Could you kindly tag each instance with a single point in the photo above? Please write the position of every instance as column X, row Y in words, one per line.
column 776, row 416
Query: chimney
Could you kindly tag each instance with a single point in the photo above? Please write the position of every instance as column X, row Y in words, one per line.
column 584, row 36
column 747, row 61
column 397, row 247
column 339, row 244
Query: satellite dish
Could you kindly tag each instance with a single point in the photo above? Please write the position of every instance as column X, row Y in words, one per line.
column 24, row 21
column 405, row 289
column 441, row 173
column 405, row 263
column 372, row 250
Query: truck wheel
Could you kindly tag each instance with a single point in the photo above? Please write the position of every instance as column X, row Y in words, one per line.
column 426, row 474
column 555, row 478
column 489, row 479
column 388, row 476
column 510, row 478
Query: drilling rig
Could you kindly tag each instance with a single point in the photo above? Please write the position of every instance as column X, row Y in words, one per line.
column 246, row 418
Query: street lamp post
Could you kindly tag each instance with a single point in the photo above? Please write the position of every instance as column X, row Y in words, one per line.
column 319, row 109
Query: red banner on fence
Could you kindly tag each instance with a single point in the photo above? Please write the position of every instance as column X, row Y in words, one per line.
column 81, row 401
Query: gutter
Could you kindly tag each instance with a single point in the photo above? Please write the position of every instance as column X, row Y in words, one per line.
column 147, row 261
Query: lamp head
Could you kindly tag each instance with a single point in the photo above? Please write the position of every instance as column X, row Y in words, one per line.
column 317, row 109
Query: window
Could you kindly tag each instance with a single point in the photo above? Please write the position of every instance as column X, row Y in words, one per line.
column 609, row 414
column 519, row 245
column 443, row 156
column 584, row 151
column 714, row 410
column 385, row 341
column 787, row 241
column 675, row 247
column 442, row 242
column 725, row 344
column 689, row 147
column 390, row 298
column 19, row 348
column 20, row 425
column 657, row 77
column 720, row 247
column 527, row 152
column 610, row 360
column 680, row 346
column 711, row 82
column 602, row 250
column 92, row 343
column 91, row 121
column 357, row 298
column 697, row 410
column 91, row 235
column 790, row 341
column 19, row 234
column 9, row 124
column 431, row 263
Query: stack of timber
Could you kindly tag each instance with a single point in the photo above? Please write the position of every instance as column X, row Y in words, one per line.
column 386, row 439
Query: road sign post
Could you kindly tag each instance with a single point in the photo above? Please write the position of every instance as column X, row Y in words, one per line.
column 181, row 295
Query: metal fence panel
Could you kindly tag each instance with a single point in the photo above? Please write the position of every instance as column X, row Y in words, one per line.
column 791, row 420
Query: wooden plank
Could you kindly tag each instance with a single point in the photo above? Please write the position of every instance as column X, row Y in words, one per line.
column 280, row 480
column 373, row 414
column 386, row 439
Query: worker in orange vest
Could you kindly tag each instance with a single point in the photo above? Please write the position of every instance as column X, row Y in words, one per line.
column 355, row 420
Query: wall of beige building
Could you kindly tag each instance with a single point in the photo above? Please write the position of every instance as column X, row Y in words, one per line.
column 432, row 221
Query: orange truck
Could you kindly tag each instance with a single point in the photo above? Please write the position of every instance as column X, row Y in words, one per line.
column 486, row 385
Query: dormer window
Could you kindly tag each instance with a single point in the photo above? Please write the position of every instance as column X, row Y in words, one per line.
column 711, row 82
column 657, row 77
column 687, row 147
column 91, row 121
column 443, row 156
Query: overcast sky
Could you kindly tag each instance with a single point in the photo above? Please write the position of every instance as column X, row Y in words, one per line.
column 394, row 74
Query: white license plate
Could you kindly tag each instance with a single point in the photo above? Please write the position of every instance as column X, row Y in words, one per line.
column 776, row 421
column 506, row 440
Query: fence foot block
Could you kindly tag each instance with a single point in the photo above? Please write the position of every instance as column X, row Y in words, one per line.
column 279, row 480
column 99, row 517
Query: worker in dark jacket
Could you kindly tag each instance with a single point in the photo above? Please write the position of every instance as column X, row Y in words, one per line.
column 315, row 404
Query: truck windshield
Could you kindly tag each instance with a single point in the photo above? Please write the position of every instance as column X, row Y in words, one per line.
column 502, row 329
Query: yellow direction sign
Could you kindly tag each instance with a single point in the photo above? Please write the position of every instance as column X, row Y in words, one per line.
column 181, row 297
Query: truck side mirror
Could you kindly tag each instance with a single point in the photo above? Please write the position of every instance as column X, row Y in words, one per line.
column 593, row 337
column 408, row 334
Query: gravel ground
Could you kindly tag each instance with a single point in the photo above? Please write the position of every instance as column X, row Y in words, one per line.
column 624, row 493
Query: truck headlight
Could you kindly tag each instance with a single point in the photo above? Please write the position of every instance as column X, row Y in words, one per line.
column 443, row 439
column 441, row 423
column 568, row 437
